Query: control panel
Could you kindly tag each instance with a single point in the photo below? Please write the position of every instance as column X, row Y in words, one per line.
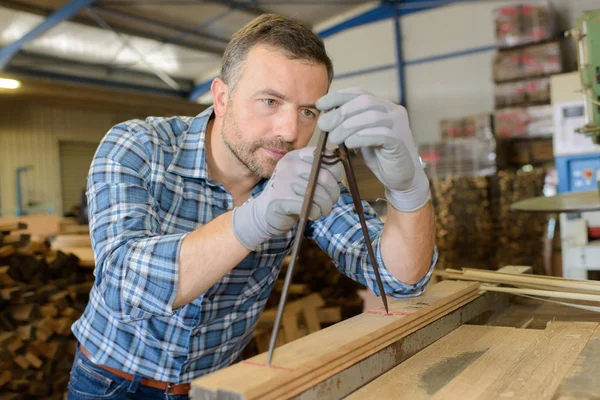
column 583, row 174
column 577, row 173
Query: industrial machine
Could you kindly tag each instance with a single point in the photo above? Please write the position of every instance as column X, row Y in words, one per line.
column 576, row 102
column 587, row 37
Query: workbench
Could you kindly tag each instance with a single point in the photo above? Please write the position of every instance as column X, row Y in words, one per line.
column 492, row 345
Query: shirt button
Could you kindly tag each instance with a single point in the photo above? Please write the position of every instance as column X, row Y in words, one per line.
column 225, row 204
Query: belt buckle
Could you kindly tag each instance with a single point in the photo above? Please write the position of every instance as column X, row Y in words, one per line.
column 170, row 387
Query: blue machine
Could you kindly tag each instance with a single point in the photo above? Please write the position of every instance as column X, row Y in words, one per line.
column 577, row 172
column 576, row 156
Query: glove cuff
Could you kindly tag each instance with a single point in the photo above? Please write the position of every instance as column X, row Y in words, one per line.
column 246, row 226
column 410, row 200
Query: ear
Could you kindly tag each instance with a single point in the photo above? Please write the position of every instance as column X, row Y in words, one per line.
column 220, row 93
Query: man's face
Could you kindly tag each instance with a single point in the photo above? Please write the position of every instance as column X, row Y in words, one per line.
column 272, row 110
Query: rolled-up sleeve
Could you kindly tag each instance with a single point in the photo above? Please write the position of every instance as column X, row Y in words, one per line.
column 136, row 267
column 340, row 236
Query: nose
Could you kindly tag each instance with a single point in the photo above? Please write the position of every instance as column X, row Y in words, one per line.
column 288, row 126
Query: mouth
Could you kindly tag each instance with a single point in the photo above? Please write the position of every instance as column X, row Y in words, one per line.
column 276, row 154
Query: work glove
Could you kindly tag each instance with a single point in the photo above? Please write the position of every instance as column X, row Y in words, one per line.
column 277, row 208
column 380, row 129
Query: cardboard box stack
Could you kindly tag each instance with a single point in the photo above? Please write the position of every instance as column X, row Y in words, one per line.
column 530, row 91
column 523, row 23
column 528, row 53
column 479, row 125
column 528, row 62
column 534, row 121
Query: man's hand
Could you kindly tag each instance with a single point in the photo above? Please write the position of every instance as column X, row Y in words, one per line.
column 381, row 130
column 277, row 208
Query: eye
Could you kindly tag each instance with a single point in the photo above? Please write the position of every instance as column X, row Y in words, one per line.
column 307, row 113
column 270, row 102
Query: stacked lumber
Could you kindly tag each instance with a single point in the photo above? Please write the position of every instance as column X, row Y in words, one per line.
column 78, row 244
column 301, row 364
column 490, row 362
column 464, row 233
column 520, row 235
column 475, row 226
column 538, row 286
column 41, row 294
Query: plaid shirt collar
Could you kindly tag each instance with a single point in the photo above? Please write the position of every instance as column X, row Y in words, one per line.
column 190, row 159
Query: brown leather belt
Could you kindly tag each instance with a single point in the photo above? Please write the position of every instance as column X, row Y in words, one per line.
column 169, row 388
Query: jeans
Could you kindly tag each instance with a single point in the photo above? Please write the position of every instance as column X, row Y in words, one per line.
column 90, row 382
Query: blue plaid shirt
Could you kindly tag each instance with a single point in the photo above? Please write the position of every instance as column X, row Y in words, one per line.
column 148, row 187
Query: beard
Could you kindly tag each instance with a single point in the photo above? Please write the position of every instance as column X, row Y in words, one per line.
column 248, row 152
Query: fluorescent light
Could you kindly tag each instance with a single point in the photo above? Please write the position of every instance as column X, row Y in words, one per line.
column 9, row 83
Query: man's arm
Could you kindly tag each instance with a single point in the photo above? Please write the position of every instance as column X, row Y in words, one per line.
column 140, row 271
column 381, row 130
column 407, row 243
column 341, row 237
column 220, row 252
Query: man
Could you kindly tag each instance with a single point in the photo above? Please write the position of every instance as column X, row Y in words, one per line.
column 191, row 218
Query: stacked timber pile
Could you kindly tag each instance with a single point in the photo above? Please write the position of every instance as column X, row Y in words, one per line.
column 520, row 235
column 475, row 226
column 463, row 220
column 41, row 294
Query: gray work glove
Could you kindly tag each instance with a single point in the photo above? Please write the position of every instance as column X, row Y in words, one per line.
column 276, row 210
column 381, row 130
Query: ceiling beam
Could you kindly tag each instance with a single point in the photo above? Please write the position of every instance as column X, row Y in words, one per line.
column 43, row 66
column 58, row 16
column 247, row 7
column 36, row 61
column 32, row 9
column 159, row 24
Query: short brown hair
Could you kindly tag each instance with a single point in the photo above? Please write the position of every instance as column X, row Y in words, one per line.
column 290, row 35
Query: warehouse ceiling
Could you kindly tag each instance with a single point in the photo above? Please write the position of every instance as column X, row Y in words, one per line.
column 171, row 45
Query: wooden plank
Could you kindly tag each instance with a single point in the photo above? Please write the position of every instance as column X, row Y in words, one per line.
column 581, row 382
column 426, row 373
column 5, row 337
column 22, row 362
column 67, row 241
column 5, row 377
column 12, row 226
column 516, row 269
column 33, row 360
column 85, row 255
column 7, row 251
column 501, row 277
column 544, row 293
column 300, row 364
column 21, row 312
column 342, row 384
column 497, row 282
column 14, row 346
column 543, row 364
column 485, row 362
column 24, row 332
column 5, row 279
column 10, row 293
